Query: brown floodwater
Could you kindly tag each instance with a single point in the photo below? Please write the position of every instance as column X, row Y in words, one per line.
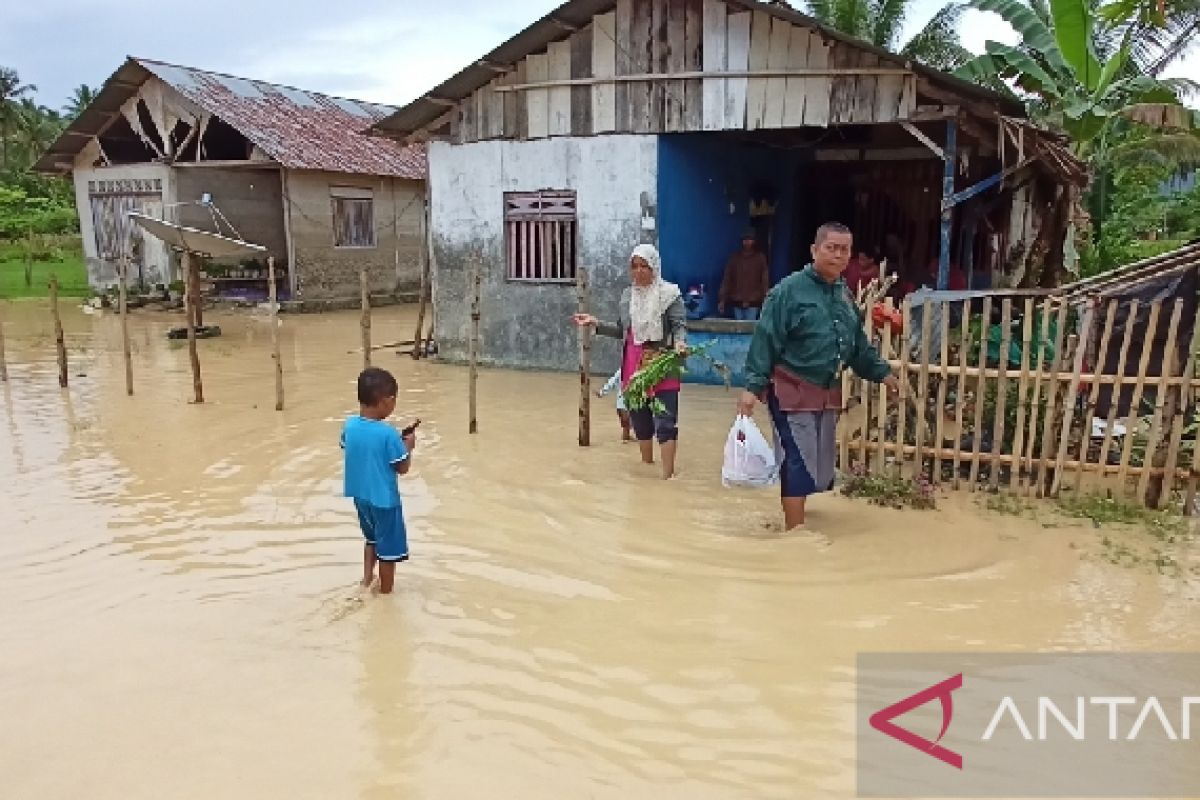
column 179, row 617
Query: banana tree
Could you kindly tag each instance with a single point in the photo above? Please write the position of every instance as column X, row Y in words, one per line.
column 1068, row 83
column 882, row 23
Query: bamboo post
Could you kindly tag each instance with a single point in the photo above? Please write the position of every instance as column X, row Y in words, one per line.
column 273, row 299
column 869, row 330
column 193, row 286
column 1190, row 496
column 189, row 302
column 1115, row 396
column 473, row 348
column 963, row 349
column 585, row 361
column 881, row 408
column 944, row 367
column 1052, row 398
column 902, row 403
column 842, row 431
column 123, row 307
column 922, row 404
column 1001, row 392
column 1131, row 421
column 1094, row 390
column 1180, row 402
column 985, row 325
column 1064, row 437
column 59, row 342
column 1160, row 398
column 1015, row 480
column 1030, row 444
column 426, row 288
column 365, row 321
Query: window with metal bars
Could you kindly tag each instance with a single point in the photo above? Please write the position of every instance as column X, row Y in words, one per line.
column 353, row 216
column 541, row 233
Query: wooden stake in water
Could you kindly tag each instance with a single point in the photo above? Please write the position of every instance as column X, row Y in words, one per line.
column 123, row 301
column 585, row 361
column 189, row 303
column 922, row 404
column 473, row 347
column 58, row 333
column 902, row 403
column 881, row 406
column 426, row 285
column 366, row 317
column 273, row 299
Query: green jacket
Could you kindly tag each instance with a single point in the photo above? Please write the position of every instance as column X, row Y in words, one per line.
column 811, row 328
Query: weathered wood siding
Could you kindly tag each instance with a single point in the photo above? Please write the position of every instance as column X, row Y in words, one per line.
column 686, row 38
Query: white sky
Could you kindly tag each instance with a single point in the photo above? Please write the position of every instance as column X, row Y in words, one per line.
column 388, row 52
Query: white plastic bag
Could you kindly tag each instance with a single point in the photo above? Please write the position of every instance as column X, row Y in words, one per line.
column 749, row 458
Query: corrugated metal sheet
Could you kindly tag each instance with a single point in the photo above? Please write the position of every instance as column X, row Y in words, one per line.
column 297, row 128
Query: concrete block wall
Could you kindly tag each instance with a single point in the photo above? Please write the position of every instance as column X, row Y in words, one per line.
column 323, row 271
column 528, row 325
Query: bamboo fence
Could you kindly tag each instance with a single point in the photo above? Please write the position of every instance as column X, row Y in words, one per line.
column 1022, row 404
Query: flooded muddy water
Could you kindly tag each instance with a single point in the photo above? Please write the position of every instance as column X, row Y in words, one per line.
column 179, row 617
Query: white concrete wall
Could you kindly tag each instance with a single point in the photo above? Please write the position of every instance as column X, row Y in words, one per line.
column 615, row 180
column 157, row 266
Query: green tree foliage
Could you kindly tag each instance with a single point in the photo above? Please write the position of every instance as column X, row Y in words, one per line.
column 29, row 203
column 881, row 22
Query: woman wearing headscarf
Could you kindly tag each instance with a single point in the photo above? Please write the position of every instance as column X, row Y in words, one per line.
column 652, row 320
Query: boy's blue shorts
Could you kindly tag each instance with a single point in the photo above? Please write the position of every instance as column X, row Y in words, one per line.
column 384, row 528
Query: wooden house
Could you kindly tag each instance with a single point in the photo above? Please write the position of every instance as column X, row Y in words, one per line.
column 681, row 122
column 285, row 168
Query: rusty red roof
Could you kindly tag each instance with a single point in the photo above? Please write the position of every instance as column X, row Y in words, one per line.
column 298, row 128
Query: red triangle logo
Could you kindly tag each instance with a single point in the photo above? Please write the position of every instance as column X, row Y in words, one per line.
column 882, row 720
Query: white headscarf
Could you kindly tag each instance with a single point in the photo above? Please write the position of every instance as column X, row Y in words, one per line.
column 647, row 304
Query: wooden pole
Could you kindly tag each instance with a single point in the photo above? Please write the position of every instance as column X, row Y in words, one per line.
column 189, row 301
column 868, row 325
column 1085, row 439
column 985, row 325
column 1115, row 396
column 473, row 348
column 1015, row 481
column 1052, row 398
column 961, row 394
column 921, row 425
column 124, row 309
column 944, row 366
column 1001, row 406
column 365, row 321
column 426, row 288
column 273, row 296
column 585, row 361
column 1180, row 401
column 905, row 356
column 1131, row 421
column 29, row 260
column 197, row 300
column 881, row 407
column 1064, row 437
column 60, row 344
column 1160, row 398
column 1035, row 401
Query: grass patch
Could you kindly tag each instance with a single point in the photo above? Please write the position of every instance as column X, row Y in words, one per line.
column 892, row 491
column 1149, row 540
column 61, row 256
column 1007, row 504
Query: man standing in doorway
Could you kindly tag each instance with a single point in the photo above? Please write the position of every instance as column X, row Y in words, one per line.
column 747, row 279
column 809, row 332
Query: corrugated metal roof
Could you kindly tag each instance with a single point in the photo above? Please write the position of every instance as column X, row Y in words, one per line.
column 297, row 128
column 560, row 22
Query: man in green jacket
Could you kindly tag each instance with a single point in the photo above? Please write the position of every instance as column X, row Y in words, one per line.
column 808, row 333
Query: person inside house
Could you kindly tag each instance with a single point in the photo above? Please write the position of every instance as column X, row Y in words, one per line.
column 862, row 269
column 746, row 281
column 808, row 334
column 652, row 320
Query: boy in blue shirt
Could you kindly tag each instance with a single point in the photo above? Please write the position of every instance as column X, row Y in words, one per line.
column 374, row 455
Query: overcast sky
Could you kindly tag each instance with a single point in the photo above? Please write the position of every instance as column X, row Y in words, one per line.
column 384, row 52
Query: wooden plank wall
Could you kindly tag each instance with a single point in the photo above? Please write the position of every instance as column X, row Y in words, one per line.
column 669, row 37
